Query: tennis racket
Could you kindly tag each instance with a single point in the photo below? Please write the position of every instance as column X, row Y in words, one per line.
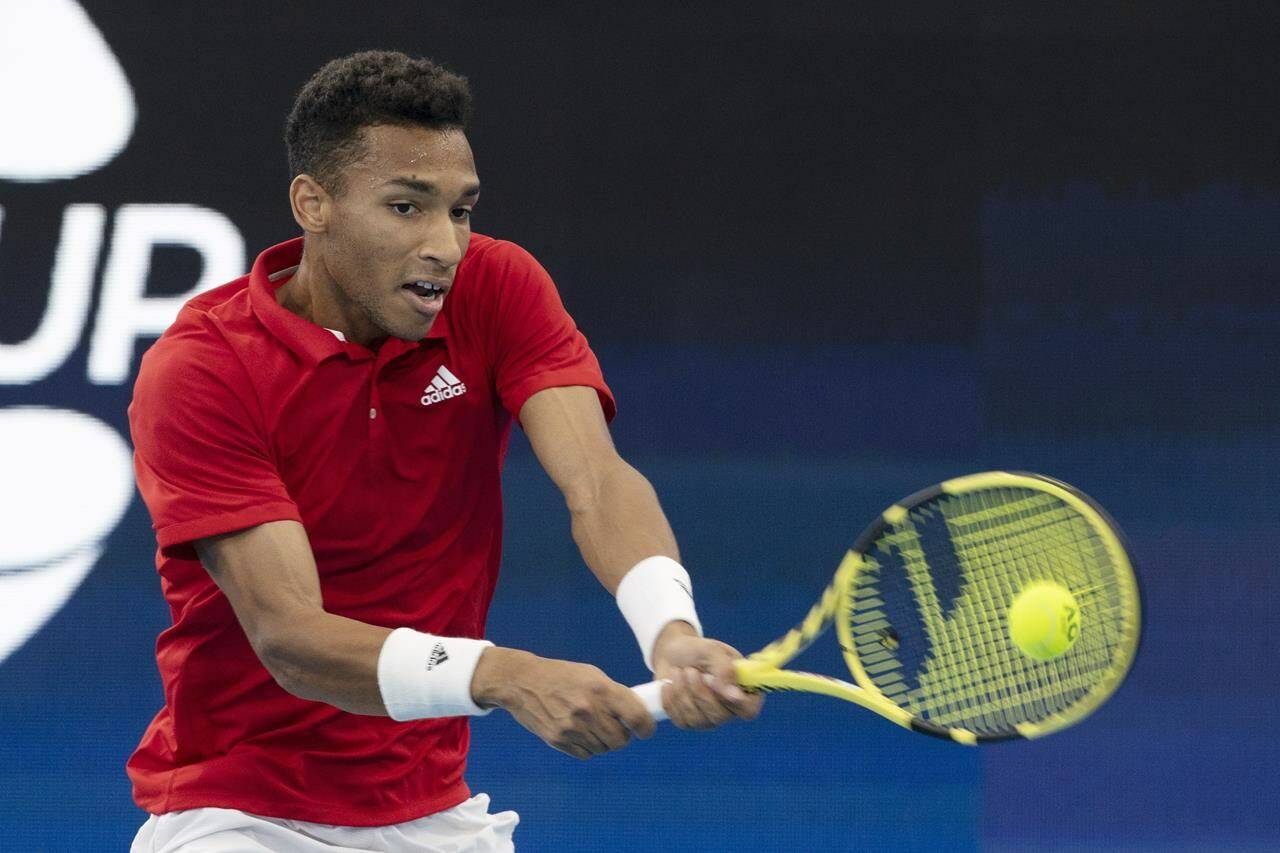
column 921, row 604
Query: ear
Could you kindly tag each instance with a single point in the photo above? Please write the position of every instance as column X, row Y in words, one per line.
column 311, row 204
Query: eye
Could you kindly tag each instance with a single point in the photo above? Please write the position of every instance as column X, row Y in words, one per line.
column 403, row 208
column 461, row 213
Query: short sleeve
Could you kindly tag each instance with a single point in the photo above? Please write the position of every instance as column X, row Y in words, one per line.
column 534, row 342
column 203, row 465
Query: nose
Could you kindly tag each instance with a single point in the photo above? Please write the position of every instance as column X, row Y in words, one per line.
column 442, row 242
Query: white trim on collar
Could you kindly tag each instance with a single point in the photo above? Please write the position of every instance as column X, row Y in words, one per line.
column 284, row 273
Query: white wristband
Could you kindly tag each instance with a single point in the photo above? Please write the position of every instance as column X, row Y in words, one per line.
column 422, row 675
column 656, row 592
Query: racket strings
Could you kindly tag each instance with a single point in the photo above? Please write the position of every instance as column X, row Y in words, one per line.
column 994, row 679
column 995, row 683
column 929, row 621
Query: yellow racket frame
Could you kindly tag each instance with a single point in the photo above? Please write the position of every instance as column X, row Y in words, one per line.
column 763, row 669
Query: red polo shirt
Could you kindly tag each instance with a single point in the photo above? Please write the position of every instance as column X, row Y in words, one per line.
column 245, row 413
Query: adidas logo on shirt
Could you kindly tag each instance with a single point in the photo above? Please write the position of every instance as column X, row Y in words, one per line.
column 444, row 386
column 438, row 656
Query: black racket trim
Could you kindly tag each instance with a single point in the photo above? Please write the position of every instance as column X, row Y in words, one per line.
column 862, row 545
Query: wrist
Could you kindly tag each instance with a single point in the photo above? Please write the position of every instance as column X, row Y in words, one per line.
column 673, row 631
column 495, row 676
column 656, row 593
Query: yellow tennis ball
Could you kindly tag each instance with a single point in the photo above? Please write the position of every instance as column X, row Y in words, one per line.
column 1044, row 620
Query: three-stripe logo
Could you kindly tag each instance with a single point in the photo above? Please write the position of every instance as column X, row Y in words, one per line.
column 444, row 386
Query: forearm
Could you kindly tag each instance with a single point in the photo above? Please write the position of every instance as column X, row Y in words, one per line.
column 269, row 576
column 328, row 658
column 618, row 522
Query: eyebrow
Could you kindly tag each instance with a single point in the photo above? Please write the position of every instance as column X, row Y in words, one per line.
column 428, row 188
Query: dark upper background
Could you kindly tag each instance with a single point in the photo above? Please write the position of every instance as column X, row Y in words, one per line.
column 828, row 252
column 728, row 172
column 731, row 175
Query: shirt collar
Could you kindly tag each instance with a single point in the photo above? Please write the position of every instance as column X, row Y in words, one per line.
column 273, row 268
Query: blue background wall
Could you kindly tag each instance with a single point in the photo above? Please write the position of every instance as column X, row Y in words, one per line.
column 825, row 261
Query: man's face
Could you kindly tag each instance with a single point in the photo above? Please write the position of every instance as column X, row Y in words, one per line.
column 399, row 228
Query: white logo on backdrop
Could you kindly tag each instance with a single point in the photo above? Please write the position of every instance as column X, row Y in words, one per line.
column 67, row 481
column 65, row 100
column 66, row 476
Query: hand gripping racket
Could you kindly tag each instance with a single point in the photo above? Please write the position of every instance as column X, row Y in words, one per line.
column 921, row 608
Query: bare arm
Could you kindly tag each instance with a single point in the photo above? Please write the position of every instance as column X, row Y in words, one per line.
column 269, row 576
column 617, row 522
column 615, row 515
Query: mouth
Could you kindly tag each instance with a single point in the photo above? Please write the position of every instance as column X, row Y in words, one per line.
column 426, row 297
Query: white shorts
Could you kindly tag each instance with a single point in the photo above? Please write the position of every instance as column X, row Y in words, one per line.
column 466, row 828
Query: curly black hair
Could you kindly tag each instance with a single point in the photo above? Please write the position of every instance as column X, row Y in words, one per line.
column 323, row 132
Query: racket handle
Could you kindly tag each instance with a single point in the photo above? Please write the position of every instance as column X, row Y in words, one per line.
column 651, row 695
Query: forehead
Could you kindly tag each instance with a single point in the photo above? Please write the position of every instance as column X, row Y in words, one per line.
column 391, row 151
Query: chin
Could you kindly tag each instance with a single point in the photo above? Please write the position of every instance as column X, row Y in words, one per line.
column 412, row 331
column 410, row 334
column 413, row 327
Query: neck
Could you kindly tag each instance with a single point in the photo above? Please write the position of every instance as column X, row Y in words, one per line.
column 313, row 295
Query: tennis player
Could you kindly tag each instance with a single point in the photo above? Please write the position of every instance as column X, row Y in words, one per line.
column 320, row 446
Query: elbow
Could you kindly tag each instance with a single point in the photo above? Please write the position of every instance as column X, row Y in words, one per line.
column 584, row 493
column 280, row 654
column 292, row 679
column 581, row 498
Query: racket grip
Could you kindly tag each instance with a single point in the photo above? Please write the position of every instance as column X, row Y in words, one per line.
column 651, row 695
